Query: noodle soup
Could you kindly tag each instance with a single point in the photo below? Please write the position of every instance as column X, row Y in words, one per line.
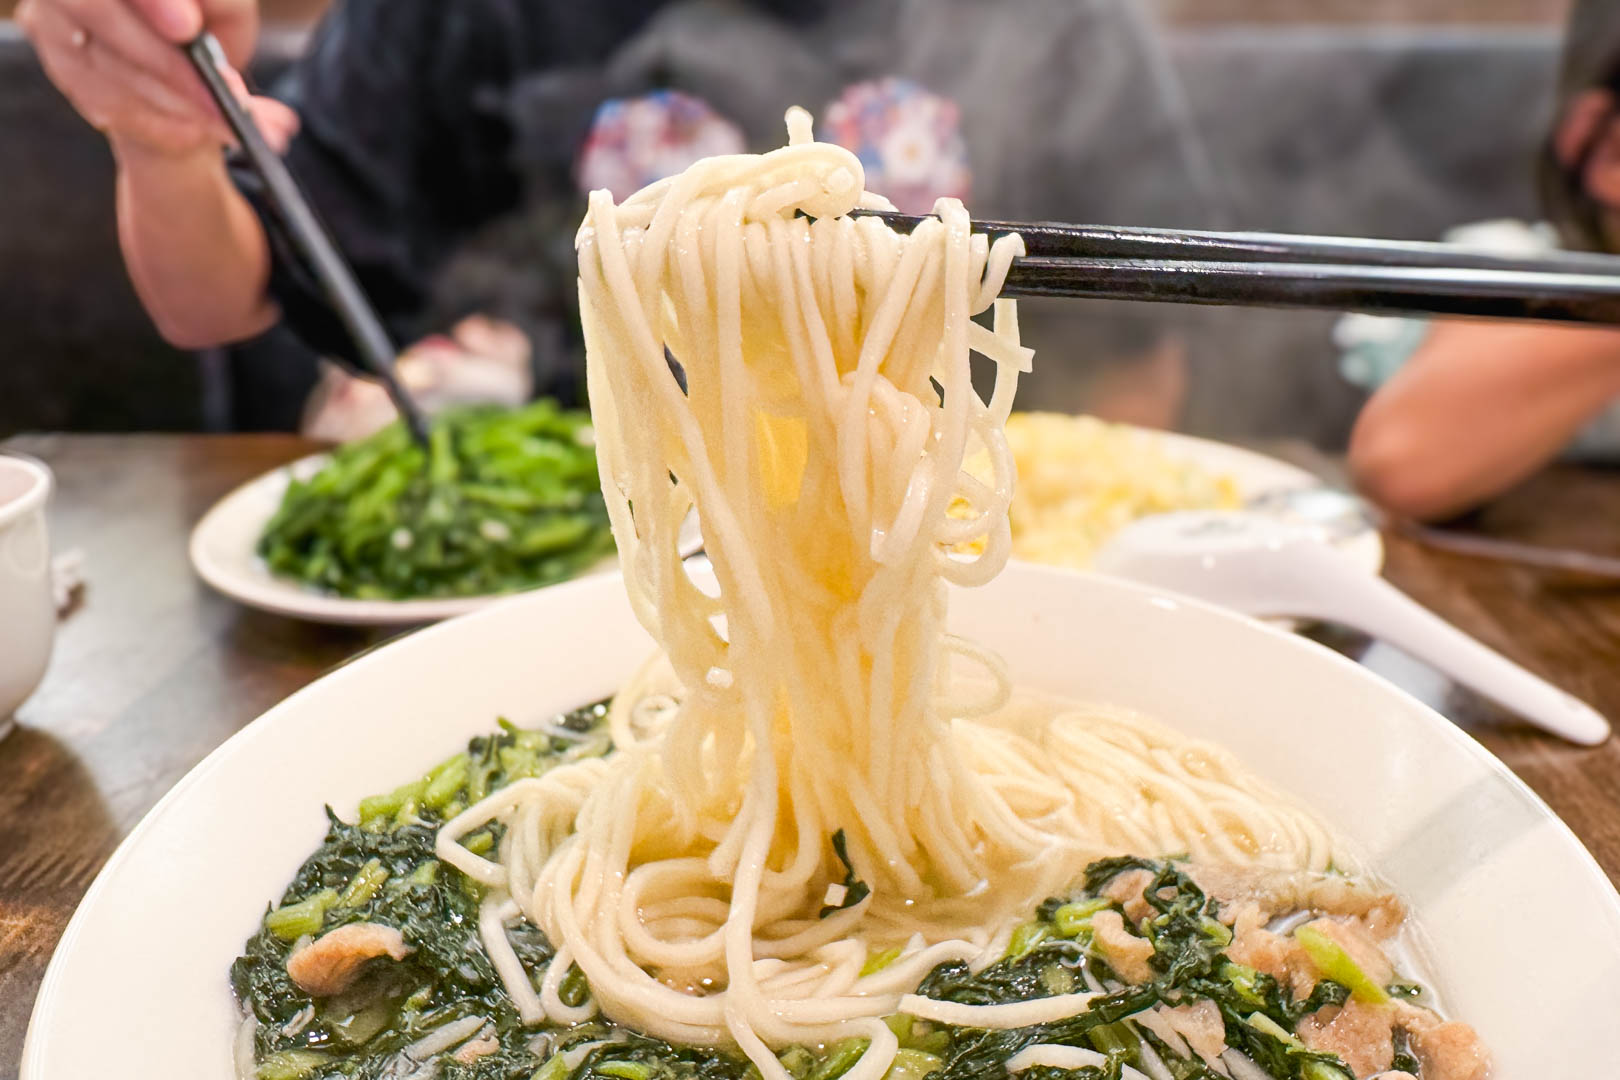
column 1181, row 963
column 796, row 845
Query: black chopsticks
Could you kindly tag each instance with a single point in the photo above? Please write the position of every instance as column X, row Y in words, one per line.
column 1499, row 294
column 1273, row 270
column 1086, row 261
column 375, row 352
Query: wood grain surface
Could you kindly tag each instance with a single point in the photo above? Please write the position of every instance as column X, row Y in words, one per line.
column 152, row 671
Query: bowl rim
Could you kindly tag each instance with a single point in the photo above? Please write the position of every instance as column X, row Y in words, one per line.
column 33, row 497
column 31, row 1061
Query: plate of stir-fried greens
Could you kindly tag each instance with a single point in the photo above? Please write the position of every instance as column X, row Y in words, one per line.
column 383, row 531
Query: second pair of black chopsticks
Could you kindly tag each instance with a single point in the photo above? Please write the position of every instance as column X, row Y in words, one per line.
column 373, row 349
column 1276, row 270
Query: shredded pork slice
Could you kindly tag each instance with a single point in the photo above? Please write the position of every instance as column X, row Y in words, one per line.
column 1126, row 953
column 1447, row 1049
column 1452, row 1051
column 1278, row 956
column 1201, row 1025
column 1363, row 1035
column 473, row 1049
column 1278, row 892
column 328, row 965
column 1157, row 1021
column 1127, row 891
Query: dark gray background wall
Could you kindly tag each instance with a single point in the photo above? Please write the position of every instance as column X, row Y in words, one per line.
column 1398, row 131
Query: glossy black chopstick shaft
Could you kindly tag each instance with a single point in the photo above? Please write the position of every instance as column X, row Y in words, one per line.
column 1055, row 240
column 1506, row 294
column 375, row 350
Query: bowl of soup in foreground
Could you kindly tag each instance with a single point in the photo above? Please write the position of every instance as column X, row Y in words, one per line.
column 1517, row 928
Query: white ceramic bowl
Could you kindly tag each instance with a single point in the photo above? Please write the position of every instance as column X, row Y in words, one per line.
column 1521, row 925
column 27, row 612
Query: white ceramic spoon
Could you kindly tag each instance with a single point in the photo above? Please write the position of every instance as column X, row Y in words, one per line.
column 1267, row 568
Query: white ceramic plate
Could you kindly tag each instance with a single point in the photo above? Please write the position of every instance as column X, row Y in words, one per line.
column 224, row 553
column 1257, row 474
column 1521, row 926
column 224, row 542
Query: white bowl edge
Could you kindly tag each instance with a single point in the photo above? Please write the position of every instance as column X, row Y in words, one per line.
column 596, row 661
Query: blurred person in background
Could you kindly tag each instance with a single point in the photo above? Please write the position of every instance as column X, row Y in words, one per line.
column 1463, row 411
column 448, row 146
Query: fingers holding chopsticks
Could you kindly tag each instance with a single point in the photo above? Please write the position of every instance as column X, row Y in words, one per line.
column 119, row 75
column 277, row 122
column 116, row 61
column 234, row 23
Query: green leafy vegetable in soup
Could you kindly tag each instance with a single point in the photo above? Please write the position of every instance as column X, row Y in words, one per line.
column 380, row 872
column 371, row 967
column 500, row 501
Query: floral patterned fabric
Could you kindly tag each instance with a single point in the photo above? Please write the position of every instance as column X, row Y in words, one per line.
column 635, row 141
column 909, row 141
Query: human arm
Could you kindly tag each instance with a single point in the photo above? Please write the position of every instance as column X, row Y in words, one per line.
column 194, row 249
column 1477, row 409
column 404, row 157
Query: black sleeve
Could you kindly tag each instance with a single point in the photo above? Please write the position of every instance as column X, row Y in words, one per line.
column 406, row 140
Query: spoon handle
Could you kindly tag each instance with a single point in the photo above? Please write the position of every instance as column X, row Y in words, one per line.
column 1257, row 565
column 1376, row 607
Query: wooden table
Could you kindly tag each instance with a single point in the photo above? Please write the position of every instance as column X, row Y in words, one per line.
column 152, row 671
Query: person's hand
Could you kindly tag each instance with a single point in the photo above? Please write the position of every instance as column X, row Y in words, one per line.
column 483, row 361
column 118, row 63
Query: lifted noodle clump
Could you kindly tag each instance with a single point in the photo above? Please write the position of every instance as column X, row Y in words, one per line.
column 820, row 436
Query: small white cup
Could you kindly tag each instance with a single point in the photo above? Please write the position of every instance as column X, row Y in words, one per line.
column 27, row 607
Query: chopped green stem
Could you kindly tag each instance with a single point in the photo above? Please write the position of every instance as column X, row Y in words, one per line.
column 290, row 1065
column 1115, row 1038
column 292, row 921
column 878, row 961
column 377, row 807
column 1335, row 963
column 625, row 1070
column 555, row 1068
column 840, row 1058
column 445, row 782
column 1026, row 937
column 364, row 885
column 1072, row 918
